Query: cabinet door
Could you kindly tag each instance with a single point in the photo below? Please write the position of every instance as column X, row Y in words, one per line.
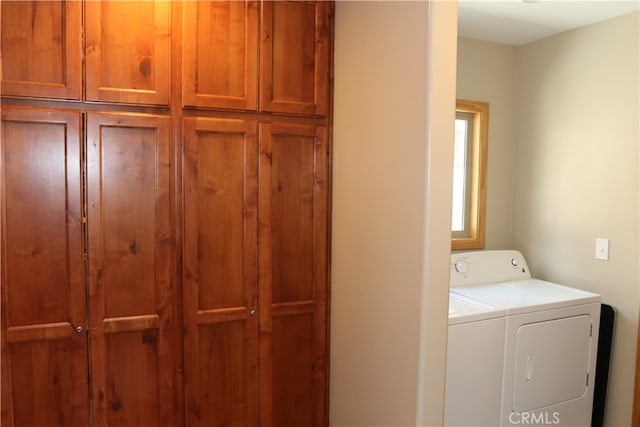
column 220, row 54
column 128, row 51
column 294, row 57
column 131, row 250
column 220, row 272
column 44, row 363
column 41, row 45
column 293, row 275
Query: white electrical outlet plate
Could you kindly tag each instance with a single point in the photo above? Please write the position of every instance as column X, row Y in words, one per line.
column 602, row 249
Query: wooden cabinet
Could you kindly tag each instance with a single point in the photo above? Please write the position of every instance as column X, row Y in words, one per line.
column 220, row 272
column 128, row 51
column 255, row 321
column 130, row 248
column 293, row 274
column 44, row 359
column 294, row 62
column 164, row 263
column 220, row 56
column 41, row 49
column 131, row 253
column 127, row 48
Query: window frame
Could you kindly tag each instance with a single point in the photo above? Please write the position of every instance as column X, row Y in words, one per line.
column 474, row 235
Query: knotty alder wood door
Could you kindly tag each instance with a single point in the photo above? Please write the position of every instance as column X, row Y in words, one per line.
column 294, row 57
column 131, row 255
column 128, row 51
column 220, row 272
column 293, row 275
column 44, row 357
column 131, row 251
column 41, row 44
column 255, row 322
column 220, row 54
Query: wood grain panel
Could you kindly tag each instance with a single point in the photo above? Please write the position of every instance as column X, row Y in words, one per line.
column 293, row 274
column 128, row 51
column 220, row 271
column 292, row 376
column 294, row 57
column 220, row 54
column 223, row 387
column 134, row 395
column 292, row 185
column 44, row 384
column 41, row 49
column 44, row 362
column 131, row 248
column 128, row 219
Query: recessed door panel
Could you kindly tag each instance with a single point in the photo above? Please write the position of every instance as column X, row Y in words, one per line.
column 292, row 379
column 292, row 202
column 551, row 362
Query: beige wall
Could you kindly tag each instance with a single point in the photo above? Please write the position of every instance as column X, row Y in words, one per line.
column 487, row 72
column 389, row 316
column 576, row 175
column 573, row 162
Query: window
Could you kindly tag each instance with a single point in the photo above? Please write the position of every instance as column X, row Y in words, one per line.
column 469, row 175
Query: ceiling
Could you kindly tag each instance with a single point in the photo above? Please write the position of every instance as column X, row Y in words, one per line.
column 517, row 22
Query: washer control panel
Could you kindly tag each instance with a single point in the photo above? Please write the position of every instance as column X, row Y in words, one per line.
column 479, row 267
column 461, row 266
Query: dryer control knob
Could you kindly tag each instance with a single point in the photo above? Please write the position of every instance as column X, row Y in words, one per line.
column 461, row 266
column 514, row 262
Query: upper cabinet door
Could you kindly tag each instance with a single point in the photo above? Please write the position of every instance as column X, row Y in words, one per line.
column 128, row 51
column 294, row 57
column 220, row 54
column 44, row 353
column 41, row 49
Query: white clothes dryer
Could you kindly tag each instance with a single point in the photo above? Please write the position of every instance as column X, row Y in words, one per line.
column 551, row 338
column 474, row 363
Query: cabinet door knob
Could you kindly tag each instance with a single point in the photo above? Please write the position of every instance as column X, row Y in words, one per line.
column 252, row 313
column 78, row 329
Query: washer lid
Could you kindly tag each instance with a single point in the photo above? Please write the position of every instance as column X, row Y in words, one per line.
column 464, row 309
column 527, row 295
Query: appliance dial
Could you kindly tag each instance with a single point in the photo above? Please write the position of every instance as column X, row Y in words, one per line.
column 461, row 266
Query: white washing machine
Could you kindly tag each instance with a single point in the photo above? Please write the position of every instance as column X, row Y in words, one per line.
column 551, row 338
column 474, row 363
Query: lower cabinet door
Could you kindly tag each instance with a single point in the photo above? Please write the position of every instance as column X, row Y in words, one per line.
column 131, row 253
column 255, row 266
column 44, row 341
column 220, row 181
column 293, row 275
